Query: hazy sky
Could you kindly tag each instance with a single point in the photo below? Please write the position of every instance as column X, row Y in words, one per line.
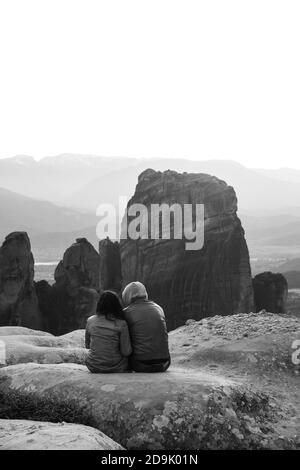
column 196, row 79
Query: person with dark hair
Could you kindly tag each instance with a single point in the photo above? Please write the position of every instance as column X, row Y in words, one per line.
column 148, row 330
column 107, row 337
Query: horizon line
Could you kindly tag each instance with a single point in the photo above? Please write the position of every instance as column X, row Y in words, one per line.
column 184, row 158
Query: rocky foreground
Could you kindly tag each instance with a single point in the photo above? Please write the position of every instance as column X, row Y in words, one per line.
column 232, row 385
column 17, row 434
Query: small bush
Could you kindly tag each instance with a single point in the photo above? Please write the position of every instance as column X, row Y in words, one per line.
column 31, row 407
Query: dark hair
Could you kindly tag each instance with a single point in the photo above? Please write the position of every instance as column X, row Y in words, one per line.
column 110, row 305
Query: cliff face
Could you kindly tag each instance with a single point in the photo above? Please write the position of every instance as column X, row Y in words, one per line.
column 191, row 284
column 73, row 298
column 79, row 267
column 270, row 292
column 18, row 300
column 110, row 277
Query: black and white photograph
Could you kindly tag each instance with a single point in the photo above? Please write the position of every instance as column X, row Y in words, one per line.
column 149, row 229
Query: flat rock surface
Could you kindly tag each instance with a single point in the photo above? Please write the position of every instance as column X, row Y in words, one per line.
column 22, row 346
column 34, row 435
column 251, row 342
column 232, row 384
column 181, row 409
column 21, row 330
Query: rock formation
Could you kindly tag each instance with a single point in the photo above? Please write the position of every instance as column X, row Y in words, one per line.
column 232, row 385
column 270, row 292
column 191, row 284
column 37, row 435
column 110, row 266
column 18, row 300
column 21, row 331
column 254, row 343
column 79, row 267
column 44, row 295
column 181, row 410
column 73, row 297
column 25, row 345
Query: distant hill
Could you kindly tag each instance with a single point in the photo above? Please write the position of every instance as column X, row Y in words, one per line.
column 257, row 194
column 293, row 278
column 86, row 181
column 18, row 212
column 283, row 174
column 51, row 246
column 54, row 178
column 290, row 265
column 267, row 225
column 281, row 229
column 268, row 200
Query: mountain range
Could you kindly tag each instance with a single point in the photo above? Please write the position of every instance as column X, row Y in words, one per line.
column 55, row 200
column 84, row 181
column 50, row 227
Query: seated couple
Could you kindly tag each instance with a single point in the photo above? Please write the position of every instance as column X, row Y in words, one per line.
column 133, row 339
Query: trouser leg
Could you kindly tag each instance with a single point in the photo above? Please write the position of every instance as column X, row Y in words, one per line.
column 139, row 366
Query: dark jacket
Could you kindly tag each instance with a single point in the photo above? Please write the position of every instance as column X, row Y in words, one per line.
column 148, row 330
column 109, row 344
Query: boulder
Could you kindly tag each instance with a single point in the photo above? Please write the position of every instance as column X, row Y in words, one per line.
column 79, row 267
column 75, row 338
column 181, row 409
column 34, row 435
column 270, row 292
column 232, row 385
column 110, row 266
column 191, row 283
column 18, row 300
column 20, row 330
column 258, row 344
column 23, row 346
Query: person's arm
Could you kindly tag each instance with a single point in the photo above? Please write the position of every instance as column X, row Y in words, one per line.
column 125, row 343
column 87, row 337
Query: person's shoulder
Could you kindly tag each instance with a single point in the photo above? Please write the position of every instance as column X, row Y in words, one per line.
column 91, row 319
column 120, row 323
column 155, row 305
column 127, row 310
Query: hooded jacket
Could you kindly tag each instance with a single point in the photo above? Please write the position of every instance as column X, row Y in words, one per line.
column 147, row 325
